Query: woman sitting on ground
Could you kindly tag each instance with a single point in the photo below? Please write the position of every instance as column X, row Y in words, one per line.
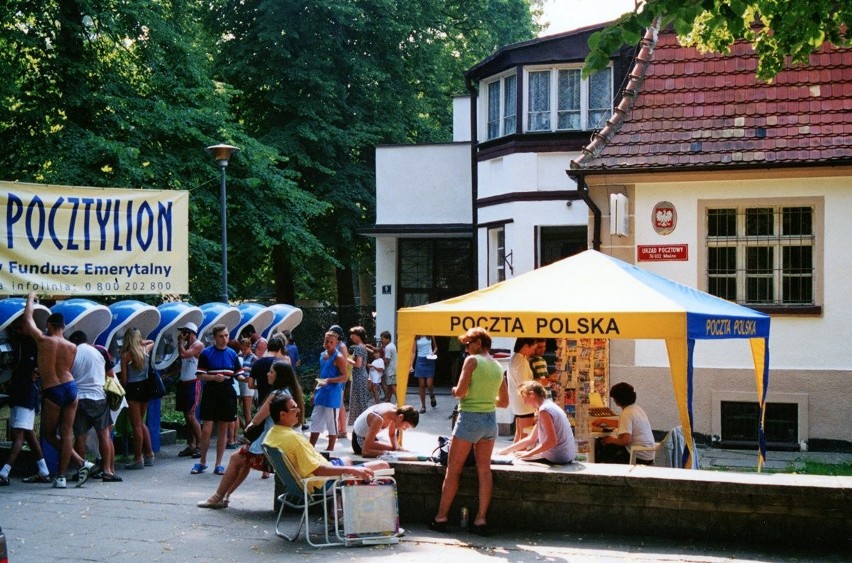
column 551, row 440
column 282, row 379
column 365, row 440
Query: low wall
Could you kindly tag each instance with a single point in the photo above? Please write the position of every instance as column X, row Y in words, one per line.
column 779, row 509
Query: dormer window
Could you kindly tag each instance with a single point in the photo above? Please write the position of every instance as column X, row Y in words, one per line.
column 559, row 100
column 502, row 106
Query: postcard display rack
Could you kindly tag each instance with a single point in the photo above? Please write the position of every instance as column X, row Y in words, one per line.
column 582, row 367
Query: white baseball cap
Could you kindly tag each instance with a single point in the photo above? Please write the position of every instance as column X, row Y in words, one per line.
column 190, row 326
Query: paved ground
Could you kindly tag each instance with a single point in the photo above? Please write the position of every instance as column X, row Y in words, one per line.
column 152, row 516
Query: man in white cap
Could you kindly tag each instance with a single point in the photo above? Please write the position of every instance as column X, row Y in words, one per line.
column 189, row 387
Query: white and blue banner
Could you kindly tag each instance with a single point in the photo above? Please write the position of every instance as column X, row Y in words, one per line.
column 64, row 240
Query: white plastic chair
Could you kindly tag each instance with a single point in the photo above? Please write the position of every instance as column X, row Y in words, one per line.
column 636, row 449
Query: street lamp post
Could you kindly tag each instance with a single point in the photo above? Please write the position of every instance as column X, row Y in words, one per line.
column 222, row 153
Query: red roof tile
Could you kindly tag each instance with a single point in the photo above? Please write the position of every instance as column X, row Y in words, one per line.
column 706, row 110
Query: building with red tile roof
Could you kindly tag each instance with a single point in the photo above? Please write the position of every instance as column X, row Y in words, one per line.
column 741, row 188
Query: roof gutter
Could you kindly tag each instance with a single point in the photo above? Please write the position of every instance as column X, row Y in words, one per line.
column 474, row 182
column 583, row 190
column 602, row 137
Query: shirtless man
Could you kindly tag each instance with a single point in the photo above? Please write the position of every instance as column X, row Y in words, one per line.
column 55, row 357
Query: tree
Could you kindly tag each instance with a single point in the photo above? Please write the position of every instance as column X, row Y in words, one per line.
column 776, row 29
column 326, row 81
column 120, row 93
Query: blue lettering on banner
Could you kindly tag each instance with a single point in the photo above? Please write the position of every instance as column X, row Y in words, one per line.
column 146, row 225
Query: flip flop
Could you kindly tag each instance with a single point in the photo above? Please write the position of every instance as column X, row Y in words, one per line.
column 436, row 526
column 37, row 478
column 198, row 468
column 220, row 470
column 108, row 478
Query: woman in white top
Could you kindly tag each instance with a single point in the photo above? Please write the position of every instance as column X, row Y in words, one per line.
column 634, row 429
column 423, row 368
column 379, row 417
column 551, row 440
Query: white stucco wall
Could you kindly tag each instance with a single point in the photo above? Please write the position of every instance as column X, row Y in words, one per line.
column 795, row 342
column 386, row 260
column 461, row 119
column 425, row 184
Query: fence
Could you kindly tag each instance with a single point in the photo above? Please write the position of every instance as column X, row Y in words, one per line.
column 315, row 322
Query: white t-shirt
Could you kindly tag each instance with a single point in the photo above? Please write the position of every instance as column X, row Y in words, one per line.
column 519, row 372
column 375, row 373
column 89, row 371
column 390, row 356
column 634, row 421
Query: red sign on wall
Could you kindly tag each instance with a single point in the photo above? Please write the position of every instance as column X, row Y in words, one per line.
column 662, row 252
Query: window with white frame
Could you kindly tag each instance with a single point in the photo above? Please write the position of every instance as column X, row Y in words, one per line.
column 558, row 99
column 502, row 106
column 496, row 255
column 762, row 254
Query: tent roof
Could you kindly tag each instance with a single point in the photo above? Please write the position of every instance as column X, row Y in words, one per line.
column 589, row 295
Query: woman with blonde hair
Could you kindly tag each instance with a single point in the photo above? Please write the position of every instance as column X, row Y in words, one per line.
column 135, row 357
column 551, row 440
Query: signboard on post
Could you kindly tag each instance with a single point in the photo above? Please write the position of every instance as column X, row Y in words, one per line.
column 63, row 240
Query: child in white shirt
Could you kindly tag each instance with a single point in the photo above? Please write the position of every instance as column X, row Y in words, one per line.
column 377, row 366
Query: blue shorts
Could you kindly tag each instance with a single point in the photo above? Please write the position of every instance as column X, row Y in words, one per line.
column 475, row 426
column 63, row 394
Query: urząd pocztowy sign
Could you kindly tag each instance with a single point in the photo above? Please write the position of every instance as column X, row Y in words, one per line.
column 92, row 241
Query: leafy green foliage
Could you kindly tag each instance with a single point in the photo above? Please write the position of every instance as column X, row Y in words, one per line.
column 108, row 93
column 325, row 82
column 776, row 29
column 127, row 93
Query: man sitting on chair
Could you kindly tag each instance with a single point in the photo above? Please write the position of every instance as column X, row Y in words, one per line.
column 298, row 450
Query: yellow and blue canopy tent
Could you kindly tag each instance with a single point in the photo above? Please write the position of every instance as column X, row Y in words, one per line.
column 592, row 295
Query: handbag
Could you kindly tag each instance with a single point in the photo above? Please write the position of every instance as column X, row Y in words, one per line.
column 253, row 431
column 443, row 451
column 156, row 387
column 114, row 393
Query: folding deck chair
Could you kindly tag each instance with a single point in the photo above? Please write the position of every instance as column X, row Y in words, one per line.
column 298, row 496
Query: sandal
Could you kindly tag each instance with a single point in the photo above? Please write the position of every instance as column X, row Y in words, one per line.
column 111, row 478
column 37, row 478
column 135, row 465
column 186, row 452
column 210, row 503
column 198, row 468
column 434, row 402
column 480, row 530
column 436, row 526
column 422, row 410
column 220, row 470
